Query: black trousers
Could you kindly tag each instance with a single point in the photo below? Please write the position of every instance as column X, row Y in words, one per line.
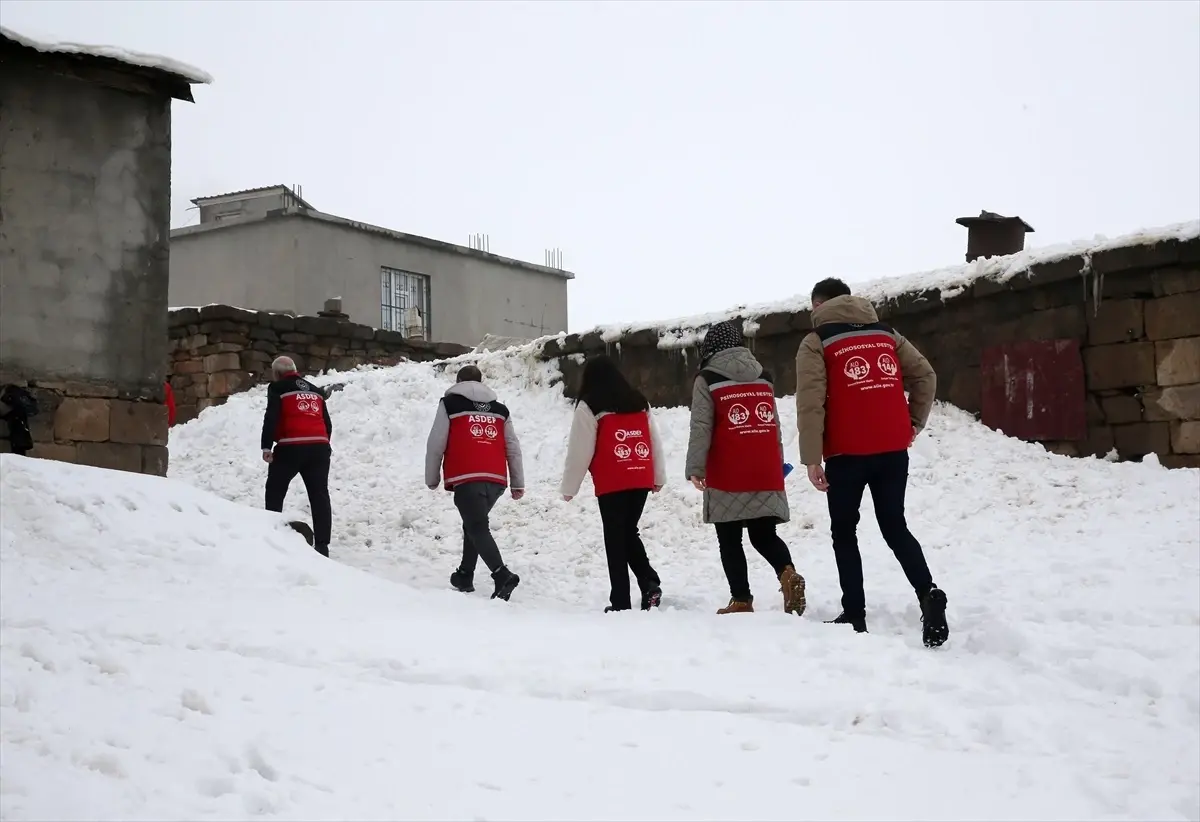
column 311, row 462
column 733, row 557
column 620, row 513
column 887, row 477
column 474, row 501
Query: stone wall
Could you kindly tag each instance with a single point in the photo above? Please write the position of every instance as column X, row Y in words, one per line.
column 86, row 188
column 95, row 423
column 1134, row 310
column 218, row 350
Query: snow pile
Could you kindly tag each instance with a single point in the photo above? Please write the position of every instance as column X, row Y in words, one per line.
column 132, row 58
column 949, row 282
column 168, row 654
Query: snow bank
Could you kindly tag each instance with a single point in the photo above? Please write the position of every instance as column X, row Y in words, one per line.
column 949, row 282
column 133, row 58
column 167, row 654
column 1073, row 668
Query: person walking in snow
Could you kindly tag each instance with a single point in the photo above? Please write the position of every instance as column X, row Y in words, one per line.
column 297, row 423
column 851, row 375
column 613, row 436
column 473, row 440
column 735, row 456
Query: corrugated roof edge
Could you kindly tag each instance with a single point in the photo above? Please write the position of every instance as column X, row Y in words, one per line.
column 400, row 236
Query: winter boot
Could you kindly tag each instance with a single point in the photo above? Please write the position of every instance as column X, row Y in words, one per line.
column 609, row 609
column 505, row 581
column 651, row 599
column 460, row 580
column 934, row 630
column 792, row 585
column 303, row 530
column 322, row 549
column 858, row 622
column 738, row 606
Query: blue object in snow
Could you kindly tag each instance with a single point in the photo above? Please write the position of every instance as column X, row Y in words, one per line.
column 787, row 469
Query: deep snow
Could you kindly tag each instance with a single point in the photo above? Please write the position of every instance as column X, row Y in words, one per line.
column 168, row 654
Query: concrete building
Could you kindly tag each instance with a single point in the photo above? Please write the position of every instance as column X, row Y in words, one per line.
column 268, row 249
column 85, row 209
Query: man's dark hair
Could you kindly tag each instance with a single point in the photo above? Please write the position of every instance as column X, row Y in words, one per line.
column 469, row 373
column 828, row 289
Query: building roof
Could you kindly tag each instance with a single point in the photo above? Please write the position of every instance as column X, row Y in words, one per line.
column 212, row 198
column 132, row 58
column 354, row 225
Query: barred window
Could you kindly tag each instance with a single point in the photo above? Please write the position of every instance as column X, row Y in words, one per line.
column 405, row 302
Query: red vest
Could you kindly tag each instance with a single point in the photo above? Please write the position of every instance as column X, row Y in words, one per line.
column 301, row 414
column 623, row 459
column 866, row 411
column 475, row 448
column 744, row 455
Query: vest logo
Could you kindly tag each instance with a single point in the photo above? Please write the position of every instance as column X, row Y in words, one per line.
column 302, row 385
column 483, row 406
column 476, row 430
column 307, row 403
column 622, row 451
column 642, row 450
column 490, row 432
column 857, row 369
column 887, row 364
column 764, row 412
column 738, row 414
column 622, row 434
column 480, row 430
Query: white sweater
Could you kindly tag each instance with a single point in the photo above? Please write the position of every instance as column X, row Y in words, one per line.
column 581, row 445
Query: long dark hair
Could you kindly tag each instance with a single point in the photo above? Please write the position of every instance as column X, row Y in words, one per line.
column 604, row 388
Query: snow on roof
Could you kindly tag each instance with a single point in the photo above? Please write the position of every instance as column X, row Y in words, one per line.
column 132, row 58
column 950, row 282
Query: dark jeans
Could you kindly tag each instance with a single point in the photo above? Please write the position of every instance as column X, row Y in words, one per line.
column 311, row 462
column 733, row 557
column 474, row 501
column 887, row 477
column 620, row 512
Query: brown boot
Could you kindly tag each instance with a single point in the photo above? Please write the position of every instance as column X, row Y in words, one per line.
column 738, row 606
column 792, row 585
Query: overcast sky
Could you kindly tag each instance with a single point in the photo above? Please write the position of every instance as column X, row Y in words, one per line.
column 686, row 156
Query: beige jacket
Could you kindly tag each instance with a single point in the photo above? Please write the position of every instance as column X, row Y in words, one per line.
column 920, row 381
column 581, row 446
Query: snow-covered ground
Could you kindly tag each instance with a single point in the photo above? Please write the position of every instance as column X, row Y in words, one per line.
column 171, row 651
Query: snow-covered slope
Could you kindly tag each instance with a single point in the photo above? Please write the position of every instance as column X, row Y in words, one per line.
column 167, row 654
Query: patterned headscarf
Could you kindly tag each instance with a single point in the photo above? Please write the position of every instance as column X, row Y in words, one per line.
column 721, row 336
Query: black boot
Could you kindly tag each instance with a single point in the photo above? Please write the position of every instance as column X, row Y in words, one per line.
column 934, row 630
column 505, row 581
column 303, row 530
column 460, row 580
column 858, row 622
column 651, row 599
column 322, row 549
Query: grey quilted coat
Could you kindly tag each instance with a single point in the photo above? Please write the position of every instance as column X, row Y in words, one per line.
column 727, row 506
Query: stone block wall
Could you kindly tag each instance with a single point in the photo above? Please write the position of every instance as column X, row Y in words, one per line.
column 218, row 350
column 93, row 423
column 1135, row 311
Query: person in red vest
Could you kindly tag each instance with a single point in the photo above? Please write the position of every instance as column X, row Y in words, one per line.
column 297, row 424
column 851, row 375
column 170, row 399
column 735, row 456
column 613, row 436
column 474, row 443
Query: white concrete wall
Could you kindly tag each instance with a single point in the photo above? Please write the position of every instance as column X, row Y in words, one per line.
column 295, row 263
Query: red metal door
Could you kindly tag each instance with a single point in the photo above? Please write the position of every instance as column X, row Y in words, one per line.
column 1034, row 390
